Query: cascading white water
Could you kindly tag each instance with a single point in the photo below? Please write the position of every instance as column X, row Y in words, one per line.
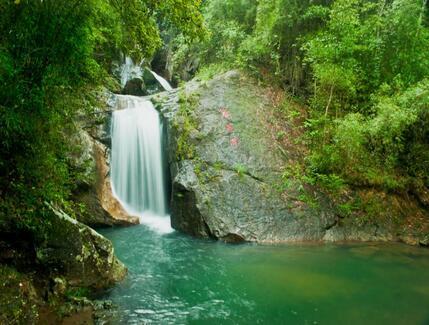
column 130, row 70
column 164, row 83
column 137, row 168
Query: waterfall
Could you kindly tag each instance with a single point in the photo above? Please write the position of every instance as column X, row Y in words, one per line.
column 129, row 70
column 137, row 166
column 164, row 83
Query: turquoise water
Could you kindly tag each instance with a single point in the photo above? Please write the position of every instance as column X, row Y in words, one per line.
column 174, row 279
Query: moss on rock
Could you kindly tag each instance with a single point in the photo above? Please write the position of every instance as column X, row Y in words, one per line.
column 18, row 298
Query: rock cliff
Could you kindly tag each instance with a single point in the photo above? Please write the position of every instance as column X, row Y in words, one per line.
column 227, row 169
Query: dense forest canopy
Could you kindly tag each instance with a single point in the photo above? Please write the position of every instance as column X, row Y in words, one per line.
column 53, row 56
column 361, row 66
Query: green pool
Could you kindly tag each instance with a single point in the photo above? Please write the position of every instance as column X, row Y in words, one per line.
column 174, row 279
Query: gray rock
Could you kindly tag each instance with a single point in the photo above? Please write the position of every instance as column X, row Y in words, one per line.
column 152, row 85
column 226, row 166
column 228, row 190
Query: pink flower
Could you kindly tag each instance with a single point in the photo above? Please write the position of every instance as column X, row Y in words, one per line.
column 225, row 113
column 229, row 128
column 234, row 142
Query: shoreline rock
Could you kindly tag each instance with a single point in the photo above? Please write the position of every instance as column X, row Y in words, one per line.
column 44, row 281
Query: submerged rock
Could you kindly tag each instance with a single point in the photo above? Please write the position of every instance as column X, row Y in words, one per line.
column 227, row 169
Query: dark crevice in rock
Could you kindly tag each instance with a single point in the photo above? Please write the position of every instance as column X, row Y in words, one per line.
column 185, row 213
column 422, row 197
column 424, row 243
column 377, row 228
column 231, row 169
column 233, row 239
column 333, row 224
column 208, row 231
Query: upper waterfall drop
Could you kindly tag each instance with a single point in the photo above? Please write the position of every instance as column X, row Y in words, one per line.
column 130, row 70
column 137, row 166
column 164, row 83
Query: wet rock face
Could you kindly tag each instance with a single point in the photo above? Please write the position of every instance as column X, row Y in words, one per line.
column 103, row 190
column 146, row 85
column 224, row 182
column 227, row 170
column 152, row 85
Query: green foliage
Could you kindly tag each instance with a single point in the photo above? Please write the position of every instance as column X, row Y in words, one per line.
column 209, row 71
column 281, row 26
column 369, row 104
column 186, row 125
column 240, row 169
column 360, row 65
column 228, row 23
column 76, row 293
column 388, row 148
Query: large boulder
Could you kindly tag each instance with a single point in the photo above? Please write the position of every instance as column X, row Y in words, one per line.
column 225, row 166
column 80, row 254
column 45, row 274
column 228, row 169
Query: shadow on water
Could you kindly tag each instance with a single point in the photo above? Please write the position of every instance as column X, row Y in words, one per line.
column 177, row 279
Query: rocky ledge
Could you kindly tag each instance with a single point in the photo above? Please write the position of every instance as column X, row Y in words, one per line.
column 227, row 169
column 44, row 280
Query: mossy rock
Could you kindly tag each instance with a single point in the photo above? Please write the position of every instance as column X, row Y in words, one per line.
column 18, row 298
column 80, row 254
